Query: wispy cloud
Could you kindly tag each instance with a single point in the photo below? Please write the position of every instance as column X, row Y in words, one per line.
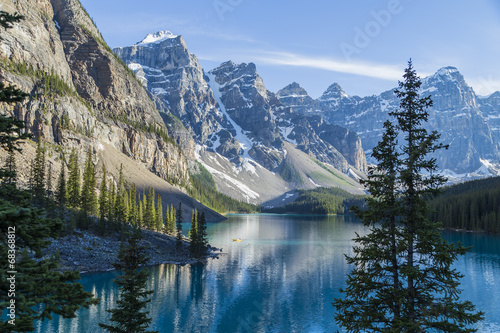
column 484, row 85
column 379, row 71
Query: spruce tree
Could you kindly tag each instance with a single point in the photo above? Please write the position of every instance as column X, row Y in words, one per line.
column 111, row 205
column 9, row 171
column 178, row 221
column 173, row 214
column 170, row 220
column 133, row 206
column 73, row 185
column 128, row 316
column 149, row 209
column 88, row 199
column 193, row 234
column 48, row 188
column 37, row 181
column 159, row 214
column 61, row 194
column 140, row 213
column 120, row 204
column 7, row 21
column 402, row 279
column 103, row 203
column 202, row 234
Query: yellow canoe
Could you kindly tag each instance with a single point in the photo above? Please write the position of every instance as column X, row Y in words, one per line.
column 236, row 239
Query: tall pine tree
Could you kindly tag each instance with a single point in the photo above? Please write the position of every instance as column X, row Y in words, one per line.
column 402, row 279
column 73, row 185
column 37, row 181
column 194, row 247
column 103, row 203
column 88, row 199
column 159, row 214
column 121, row 213
column 202, row 234
column 111, row 205
column 178, row 222
column 149, row 209
column 129, row 315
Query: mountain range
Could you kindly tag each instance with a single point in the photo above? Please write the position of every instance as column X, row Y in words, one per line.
column 255, row 147
column 154, row 109
column 237, row 124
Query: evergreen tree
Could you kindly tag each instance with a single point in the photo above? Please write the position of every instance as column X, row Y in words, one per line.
column 193, row 234
column 126, row 206
column 149, row 209
column 73, row 186
column 178, row 221
column 7, row 21
column 61, row 195
column 140, row 213
column 120, row 204
column 202, row 234
column 37, row 181
column 103, row 203
column 111, row 205
column 48, row 189
column 9, row 172
column 133, row 206
column 88, row 198
column 170, row 220
column 159, row 214
column 402, row 280
column 128, row 316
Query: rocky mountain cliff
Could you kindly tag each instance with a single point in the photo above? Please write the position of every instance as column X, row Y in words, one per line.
column 470, row 125
column 237, row 122
column 81, row 95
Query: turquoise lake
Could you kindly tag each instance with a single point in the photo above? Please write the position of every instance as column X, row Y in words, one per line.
column 282, row 277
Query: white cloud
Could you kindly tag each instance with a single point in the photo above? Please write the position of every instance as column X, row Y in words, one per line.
column 484, row 85
column 379, row 71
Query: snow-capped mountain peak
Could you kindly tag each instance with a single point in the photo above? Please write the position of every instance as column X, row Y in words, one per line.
column 334, row 91
column 157, row 37
column 447, row 71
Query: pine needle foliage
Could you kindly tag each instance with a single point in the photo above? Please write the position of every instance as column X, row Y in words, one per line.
column 402, row 278
column 129, row 315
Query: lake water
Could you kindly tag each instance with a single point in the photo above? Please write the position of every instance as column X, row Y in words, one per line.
column 282, row 277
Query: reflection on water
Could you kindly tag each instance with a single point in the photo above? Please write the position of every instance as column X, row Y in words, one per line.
column 282, row 277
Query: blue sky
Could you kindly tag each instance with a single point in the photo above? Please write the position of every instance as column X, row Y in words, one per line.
column 362, row 45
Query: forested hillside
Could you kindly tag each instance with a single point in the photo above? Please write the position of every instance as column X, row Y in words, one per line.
column 474, row 205
column 321, row 201
column 204, row 190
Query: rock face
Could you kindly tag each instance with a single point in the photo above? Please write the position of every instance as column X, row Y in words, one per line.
column 81, row 94
column 267, row 122
column 246, row 100
column 332, row 144
column 176, row 82
column 470, row 125
column 490, row 108
column 229, row 112
column 297, row 98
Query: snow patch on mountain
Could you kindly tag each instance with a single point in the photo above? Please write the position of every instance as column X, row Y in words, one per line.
column 245, row 142
column 246, row 165
column 157, row 37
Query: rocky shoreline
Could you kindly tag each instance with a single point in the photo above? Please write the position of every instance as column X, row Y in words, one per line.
column 86, row 252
